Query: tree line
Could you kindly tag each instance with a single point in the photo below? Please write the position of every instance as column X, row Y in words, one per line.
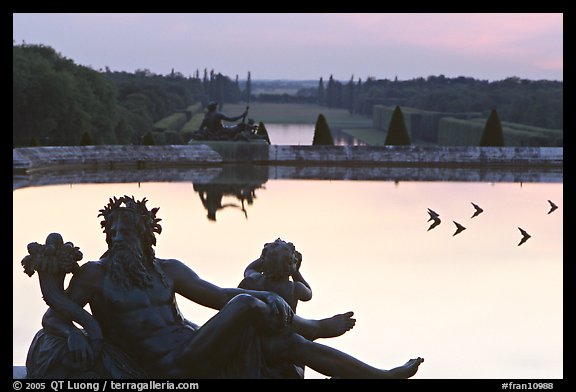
column 537, row 103
column 58, row 102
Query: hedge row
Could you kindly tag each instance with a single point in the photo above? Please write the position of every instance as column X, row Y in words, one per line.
column 462, row 129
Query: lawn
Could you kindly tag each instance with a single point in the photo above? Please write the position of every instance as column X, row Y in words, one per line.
column 359, row 127
column 278, row 113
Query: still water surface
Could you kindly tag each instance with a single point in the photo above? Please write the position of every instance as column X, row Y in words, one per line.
column 303, row 134
column 474, row 305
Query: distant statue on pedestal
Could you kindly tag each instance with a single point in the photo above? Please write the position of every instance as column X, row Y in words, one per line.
column 212, row 127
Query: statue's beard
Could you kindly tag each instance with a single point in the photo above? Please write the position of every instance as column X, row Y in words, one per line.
column 127, row 267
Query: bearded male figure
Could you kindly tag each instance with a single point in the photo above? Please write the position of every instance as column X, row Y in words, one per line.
column 131, row 294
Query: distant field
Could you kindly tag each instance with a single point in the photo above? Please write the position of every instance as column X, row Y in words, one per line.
column 278, row 113
column 275, row 90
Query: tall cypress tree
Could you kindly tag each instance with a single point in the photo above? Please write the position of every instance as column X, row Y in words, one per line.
column 86, row 139
column 358, row 96
column 492, row 136
column 397, row 131
column 211, row 83
column 248, row 88
column 348, row 96
column 330, row 92
column 321, row 92
column 322, row 132
column 148, row 139
column 206, row 83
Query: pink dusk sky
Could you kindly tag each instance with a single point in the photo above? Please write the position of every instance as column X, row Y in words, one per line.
column 302, row 46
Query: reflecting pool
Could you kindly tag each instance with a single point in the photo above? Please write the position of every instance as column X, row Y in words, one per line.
column 474, row 304
column 303, row 134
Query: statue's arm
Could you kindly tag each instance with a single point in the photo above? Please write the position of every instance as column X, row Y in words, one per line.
column 306, row 291
column 55, row 325
column 188, row 284
column 297, row 277
column 254, row 268
column 236, row 118
column 80, row 290
column 248, row 283
column 302, row 292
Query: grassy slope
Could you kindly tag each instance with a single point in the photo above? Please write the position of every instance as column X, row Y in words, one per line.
column 297, row 114
column 276, row 113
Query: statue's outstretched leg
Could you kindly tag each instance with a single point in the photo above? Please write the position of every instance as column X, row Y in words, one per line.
column 331, row 362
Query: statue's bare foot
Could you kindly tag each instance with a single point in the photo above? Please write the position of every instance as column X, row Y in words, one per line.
column 407, row 370
column 336, row 325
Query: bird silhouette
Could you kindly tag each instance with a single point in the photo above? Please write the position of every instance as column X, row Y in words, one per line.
column 478, row 210
column 525, row 236
column 459, row 228
column 435, row 223
column 433, row 215
column 552, row 207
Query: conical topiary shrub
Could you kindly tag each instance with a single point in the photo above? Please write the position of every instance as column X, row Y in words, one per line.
column 397, row 132
column 86, row 139
column 148, row 139
column 492, row 136
column 322, row 132
column 262, row 131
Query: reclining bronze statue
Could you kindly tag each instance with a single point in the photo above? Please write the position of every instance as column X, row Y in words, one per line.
column 135, row 329
column 212, row 127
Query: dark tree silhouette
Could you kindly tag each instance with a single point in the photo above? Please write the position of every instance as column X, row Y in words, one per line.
column 86, row 139
column 322, row 132
column 321, row 93
column 330, row 93
column 148, row 139
column 248, row 88
column 397, row 132
column 492, row 136
column 348, row 96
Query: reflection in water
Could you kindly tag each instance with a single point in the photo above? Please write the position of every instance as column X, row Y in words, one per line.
column 475, row 305
column 302, row 135
column 211, row 196
column 239, row 182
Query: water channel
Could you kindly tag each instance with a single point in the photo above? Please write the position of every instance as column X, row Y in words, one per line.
column 474, row 305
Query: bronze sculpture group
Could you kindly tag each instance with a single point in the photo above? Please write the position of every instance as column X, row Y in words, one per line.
column 135, row 329
column 212, row 127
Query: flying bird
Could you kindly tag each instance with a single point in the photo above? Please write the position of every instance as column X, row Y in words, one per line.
column 434, row 224
column 552, row 207
column 525, row 236
column 478, row 210
column 433, row 215
column 459, row 228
